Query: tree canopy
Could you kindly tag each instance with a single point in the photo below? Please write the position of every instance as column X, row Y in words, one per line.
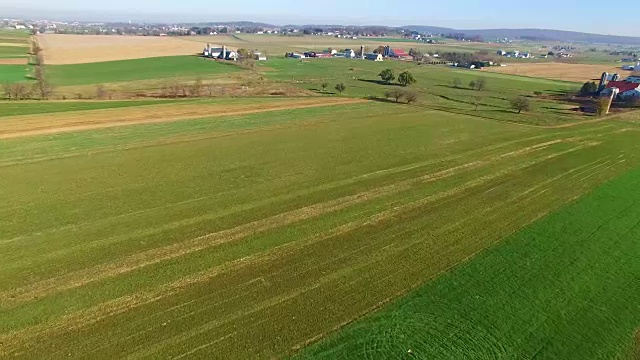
column 406, row 79
column 387, row 75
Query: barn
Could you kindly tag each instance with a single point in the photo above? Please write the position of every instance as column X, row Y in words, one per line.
column 627, row 89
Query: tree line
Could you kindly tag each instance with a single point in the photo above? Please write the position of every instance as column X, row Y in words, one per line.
column 41, row 88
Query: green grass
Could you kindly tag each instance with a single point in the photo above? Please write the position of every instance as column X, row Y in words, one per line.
column 13, row 51
column 563, row 288
column 247, row 236
column 11, row 108
column 13, row 73
column 139, row 69
column 433, row 86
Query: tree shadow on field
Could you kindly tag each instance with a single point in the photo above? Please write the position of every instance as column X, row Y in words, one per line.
column 382, row 100
column 320, row 91
column 560, row 92
column 457, row 88
column 379, row 82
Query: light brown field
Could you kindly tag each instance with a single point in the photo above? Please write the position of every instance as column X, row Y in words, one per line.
column 558, row 71
column 77, row 49
column 13, row 61
column 29, row 125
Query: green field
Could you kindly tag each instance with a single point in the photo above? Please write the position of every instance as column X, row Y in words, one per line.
column 13, row 73
column 565, row 287
column 21, row 108
column 206, row 238
column 434, row 86
column 13, row 51
column 134, row 70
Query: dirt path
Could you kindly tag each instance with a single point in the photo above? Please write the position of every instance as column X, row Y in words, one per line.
column 32, row 125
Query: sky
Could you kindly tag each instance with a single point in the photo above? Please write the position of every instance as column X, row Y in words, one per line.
column 584, row 15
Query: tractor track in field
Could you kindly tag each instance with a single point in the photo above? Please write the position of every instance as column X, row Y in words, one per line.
column 154, row 256
column 34, row 125
column 126, row 303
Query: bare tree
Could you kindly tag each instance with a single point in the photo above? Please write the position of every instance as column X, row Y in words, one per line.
column 476, row 101
column 21, row 91
column 324, row 86
column 101, row 91
column 195, row 90
column 8, row 93
column 172, row 89
column 410, row 96
column 341, row 87
column 481, row 84
column 42, row 87
column 520, row 104
column 456, row 83
column 396, row 95
column 211, row 88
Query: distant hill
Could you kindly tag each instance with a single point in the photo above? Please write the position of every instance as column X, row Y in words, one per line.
column 244, row 24
column 539, row 34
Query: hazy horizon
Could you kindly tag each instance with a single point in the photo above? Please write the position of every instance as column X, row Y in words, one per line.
column 498, row 15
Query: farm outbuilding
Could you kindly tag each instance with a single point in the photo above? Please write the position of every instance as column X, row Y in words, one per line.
column 373, row 57
column 626, row 89
column 259, row 56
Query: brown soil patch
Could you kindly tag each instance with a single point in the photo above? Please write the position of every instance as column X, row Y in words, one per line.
column 16, row 61
column 78, row 49
column 30, row 125
column 558, row 71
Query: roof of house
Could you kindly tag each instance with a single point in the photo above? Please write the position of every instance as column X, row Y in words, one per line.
column 622, row 85
column 400, row 52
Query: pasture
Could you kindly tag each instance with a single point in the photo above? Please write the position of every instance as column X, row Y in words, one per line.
column 563, row 288
column 250, row 235
column 137, row 69
column 13, row 73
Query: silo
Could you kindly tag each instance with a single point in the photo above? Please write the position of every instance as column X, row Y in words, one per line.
column 362, row 51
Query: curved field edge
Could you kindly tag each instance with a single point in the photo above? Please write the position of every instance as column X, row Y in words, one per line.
column 565, row 287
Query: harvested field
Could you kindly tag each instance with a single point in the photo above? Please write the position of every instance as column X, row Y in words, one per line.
column 77, row 49
column 29, row 125
column 558, row 71
column 13, row 61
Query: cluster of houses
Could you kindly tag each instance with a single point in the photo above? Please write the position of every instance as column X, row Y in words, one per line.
column 223, row 53
column 526, row 55
column 346, row 53
column 515, row 54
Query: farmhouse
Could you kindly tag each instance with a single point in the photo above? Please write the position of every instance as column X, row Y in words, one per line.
column 259, row 56
column 373, row 57
column 626, row 89
column 349, row 54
